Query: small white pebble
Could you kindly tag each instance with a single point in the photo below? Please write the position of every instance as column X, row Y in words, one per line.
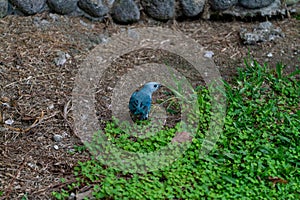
column 32, row 165
column 65, row 134
column 269, row 55
column 61, row 58
column 56, row 147
column 72, row 195
column 51, row 106
column 6, row 105
column 71, row 150
column 209, row 54
column 9, row 122
column 54, row 16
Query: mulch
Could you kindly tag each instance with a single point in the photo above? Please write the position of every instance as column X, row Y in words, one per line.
column 36, row 93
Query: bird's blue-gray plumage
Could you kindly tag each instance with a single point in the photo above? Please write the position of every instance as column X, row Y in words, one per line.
column 140, row 101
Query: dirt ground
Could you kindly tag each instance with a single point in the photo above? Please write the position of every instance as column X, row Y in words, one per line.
column 36, row 94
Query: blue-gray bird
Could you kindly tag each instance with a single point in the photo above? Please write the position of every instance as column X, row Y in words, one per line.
column 140, row 101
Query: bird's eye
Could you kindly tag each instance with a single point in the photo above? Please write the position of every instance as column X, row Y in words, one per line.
column 155, row 86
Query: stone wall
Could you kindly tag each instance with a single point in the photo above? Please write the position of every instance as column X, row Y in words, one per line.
column 129, row 11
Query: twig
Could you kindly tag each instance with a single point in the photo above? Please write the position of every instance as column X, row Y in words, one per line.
column 65, row 114
column 26, row 79
column 58, row 185
column 38, row 121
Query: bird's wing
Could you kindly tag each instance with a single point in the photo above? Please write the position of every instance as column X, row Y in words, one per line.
column 133, row 103
column 140, row 104
column 145, row 105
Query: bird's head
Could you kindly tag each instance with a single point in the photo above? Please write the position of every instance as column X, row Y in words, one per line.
column 152, row 86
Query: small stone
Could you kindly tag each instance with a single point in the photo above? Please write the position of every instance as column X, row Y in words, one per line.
column 9, row 122
column 40, row 22
column 192, row 8
column 56, row 147
column 57, row 138
column 45, row 22
column 33, row 166
column 91, row 26
column 51, row 106
column 255, row 4
column 125, row 11
column 291, row 2
column 209, row 54
column 103, row 39
column 6, row 105
column 71, row 150
column 61, row 58
column 63, row 7
column 265, row 25
column 274, row 9
column 261, row 33
column 222, row 4
column 93, row 9
column 159, row 9
column 54, row 16
column 269, row 55
column 29, row 7
column 133, row 34
column 72, row 196
column 65, row 134
column 3, row 8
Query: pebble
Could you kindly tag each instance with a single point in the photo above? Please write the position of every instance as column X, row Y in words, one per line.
column 33, row 166
column 72, row 196
column 56, row 147
column 62, row 7
column 54, row 17
column 29, row 7
column 3, row 8
column 6, row 105
column 209, row 54
column 51, row 106
column 222, row 4
column 125, row 12
column 9, row 122
column 61, row 58
column 263, row 32
column 94, row 9
column 269, row 55
column 57, row 138
column 65, row 134
column 192, row 8
column 255, row 4
column 159, row 9
column 88, row 25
